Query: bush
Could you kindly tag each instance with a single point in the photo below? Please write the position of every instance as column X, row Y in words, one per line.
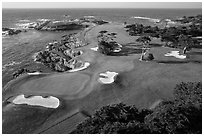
column 117, row 118
column 182, row 115
column 167, row 119
column 189, row 93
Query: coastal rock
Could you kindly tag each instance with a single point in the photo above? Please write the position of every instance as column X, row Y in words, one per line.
column 57, row 62
column 59, row 56
column 61, row 26
column 9, row 31
column 22, row 71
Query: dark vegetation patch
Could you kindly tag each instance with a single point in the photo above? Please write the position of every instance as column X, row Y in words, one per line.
column 181, row 115
column 185, row 36
column 19, row 119
column 172, row 62
column 178, row 62
column 155, row 45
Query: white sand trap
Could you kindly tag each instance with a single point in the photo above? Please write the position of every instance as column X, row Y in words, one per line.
column 108, row 77
column 175, row 54
column 94, row 49
column 49, row 102
column 35, row 73
column 86, row 64
column 117, row 50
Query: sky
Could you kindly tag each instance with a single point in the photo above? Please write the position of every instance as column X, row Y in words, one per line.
column 102, row 5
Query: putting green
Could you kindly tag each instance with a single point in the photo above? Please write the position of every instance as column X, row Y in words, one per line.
column 61, row 84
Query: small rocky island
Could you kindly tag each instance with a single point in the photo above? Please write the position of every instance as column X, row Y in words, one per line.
column 64, row 25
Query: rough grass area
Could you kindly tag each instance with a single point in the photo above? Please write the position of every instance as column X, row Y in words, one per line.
column 23, row 119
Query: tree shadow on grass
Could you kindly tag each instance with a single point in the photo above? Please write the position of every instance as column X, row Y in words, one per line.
column 178, row 62
column 155, row 45
column 194, row 53
column 126, row 52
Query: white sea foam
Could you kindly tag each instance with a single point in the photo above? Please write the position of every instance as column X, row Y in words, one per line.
column 85, row 65
column 49, row 102
column 43, row 19
column 175, row 54
column 57, row 21
column 147, row 18
column 4, row 33
column 10, row 64
column 24, row 20
column 27, row 25
column 89, row 16
column 107, row 77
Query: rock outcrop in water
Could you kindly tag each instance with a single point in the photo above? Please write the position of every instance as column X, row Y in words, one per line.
column 92, row 19
column 62, row 26
column 10, row 31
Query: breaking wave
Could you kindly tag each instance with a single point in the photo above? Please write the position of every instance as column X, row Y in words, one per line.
column 146, row 18
column 24, row 20
column 10, row 64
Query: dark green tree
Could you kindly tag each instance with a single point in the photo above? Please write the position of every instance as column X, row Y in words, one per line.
column 186, row 42
column 181, row 115
column 117, row 118
column 145, row 42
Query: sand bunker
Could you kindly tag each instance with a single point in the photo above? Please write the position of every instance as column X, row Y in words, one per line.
column 49, row 102
column 94, row 49
column 86, row 64
column 107, row 77
column 175, row 54
column 117, row 50
column 35, row 73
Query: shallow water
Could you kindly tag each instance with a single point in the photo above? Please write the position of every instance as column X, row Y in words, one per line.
column 17, row 51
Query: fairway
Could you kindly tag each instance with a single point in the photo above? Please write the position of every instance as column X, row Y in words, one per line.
column 62, row 84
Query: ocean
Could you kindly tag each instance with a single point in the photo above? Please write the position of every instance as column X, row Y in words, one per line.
column 17, row 50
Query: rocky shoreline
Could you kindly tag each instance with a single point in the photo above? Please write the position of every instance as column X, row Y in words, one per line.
column 61, row 55
column 53, row 25
column 11, row 31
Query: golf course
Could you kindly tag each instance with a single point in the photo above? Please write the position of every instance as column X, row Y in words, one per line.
column 104, row 79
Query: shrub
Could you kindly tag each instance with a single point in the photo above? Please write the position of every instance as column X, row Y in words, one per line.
column 189, row 93
column 117, row 118
column 182, row 115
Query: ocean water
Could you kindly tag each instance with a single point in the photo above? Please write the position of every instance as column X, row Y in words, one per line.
column 17, row 50
column 12, row 16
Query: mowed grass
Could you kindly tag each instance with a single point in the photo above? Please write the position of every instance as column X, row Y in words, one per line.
column 57, row 84
column 66, row 126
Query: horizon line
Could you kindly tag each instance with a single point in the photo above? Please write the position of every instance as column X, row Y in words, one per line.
column 98, row 8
